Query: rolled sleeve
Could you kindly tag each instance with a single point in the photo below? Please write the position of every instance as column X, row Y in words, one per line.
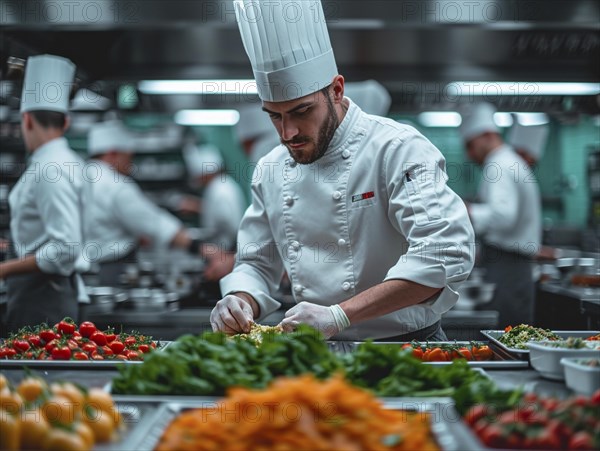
column 258, row 268
column 433, row 219
column 59, row 208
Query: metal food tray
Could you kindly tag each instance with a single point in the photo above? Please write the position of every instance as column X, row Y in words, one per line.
column 523, row 354
column 136, row 419
column 446, row 424
column 76, row 364
column 502, row 359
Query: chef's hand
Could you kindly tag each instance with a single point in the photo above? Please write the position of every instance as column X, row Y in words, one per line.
column 328, row 320
column 232, row 315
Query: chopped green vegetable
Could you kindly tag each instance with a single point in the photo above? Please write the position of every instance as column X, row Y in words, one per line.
column 517, row 337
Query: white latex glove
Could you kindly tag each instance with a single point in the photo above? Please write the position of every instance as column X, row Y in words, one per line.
column 328, row 320
column 232, row 315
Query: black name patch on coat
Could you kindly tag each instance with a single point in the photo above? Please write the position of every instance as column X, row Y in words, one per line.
column 363, row 196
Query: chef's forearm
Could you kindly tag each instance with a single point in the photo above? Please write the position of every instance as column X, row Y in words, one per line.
column 385, row 298
column 18, row 266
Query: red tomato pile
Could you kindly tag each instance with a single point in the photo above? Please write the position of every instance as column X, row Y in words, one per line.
column 66, row 341
column 448, row 352
column 539, row 423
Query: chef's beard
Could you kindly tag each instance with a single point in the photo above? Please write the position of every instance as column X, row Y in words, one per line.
column 324, row 137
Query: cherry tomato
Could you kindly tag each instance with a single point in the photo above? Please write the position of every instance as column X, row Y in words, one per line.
column 110, row 335
column 144, row 348
column 4, row 352
column 406, row 346
column 61, row 353
column 72, row 344
column 437, row 355
column 10, row 352
column 89, row 347
column 465, row 353
column 35, row 340
column 129, row 341
column 51, row 345
column 132, row 355
column 492, row 436
column 581, row 440
column 21, row 345
column 475, row 413
column 121, row 357
column 48, row 335
column 106, row 351
column 117, row 346
column 80, row 356
column 87, row 328
column 66, row 327
column 97, row 356
column 99, row 338
column 482, row 352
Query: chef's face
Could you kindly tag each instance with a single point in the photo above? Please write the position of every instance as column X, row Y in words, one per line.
column 123, row 162
column 476, row 149
column 306, row 125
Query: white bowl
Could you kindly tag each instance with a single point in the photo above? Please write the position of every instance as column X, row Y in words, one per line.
column 581, row 378
column 546, row 359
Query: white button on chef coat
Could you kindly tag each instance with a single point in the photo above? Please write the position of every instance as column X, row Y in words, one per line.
column 295, row 246
column 341, row 242
column 289, row 200
column 346, row 286
column 298, row 288
column 346, row 154
column 397, row 226
column 121, row 214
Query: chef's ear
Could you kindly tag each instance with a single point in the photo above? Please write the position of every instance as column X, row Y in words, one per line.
column 67, row 123
column 27, row 120
column 338, row 88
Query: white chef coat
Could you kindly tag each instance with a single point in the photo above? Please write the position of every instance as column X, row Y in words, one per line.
column 509, row 215
column 121, row 214
column 47, row 206
column 223, row 206
column 375, row 207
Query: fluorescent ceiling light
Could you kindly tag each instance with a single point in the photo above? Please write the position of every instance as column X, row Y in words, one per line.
column 207, row 117
column 519, row 88
column 198, row 86
column 506, row 119
column 440, row 119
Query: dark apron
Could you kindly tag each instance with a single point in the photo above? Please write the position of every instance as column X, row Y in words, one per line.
column 38, row 297
column 515, row 290
column 431, row 333
column 111, row 271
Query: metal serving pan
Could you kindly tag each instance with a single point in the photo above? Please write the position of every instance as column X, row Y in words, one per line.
column 76, row 364
column 501, row 359
column 523, row 354
column 446, row 424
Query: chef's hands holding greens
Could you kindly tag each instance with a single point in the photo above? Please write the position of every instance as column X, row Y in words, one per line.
column 232, row 315
column 328, row 320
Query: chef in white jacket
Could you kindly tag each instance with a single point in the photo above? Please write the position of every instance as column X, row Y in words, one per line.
column 507, row 218
column 46, row 204
column 121, row 215
column 223, row 201
column 354, row 207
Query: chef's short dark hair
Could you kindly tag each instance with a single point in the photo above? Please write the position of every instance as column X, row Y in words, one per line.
column 49, row 119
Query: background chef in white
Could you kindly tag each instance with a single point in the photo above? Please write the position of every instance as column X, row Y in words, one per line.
column 120, row 214
column 356, row 208
column 507, row 219
column 46, row 204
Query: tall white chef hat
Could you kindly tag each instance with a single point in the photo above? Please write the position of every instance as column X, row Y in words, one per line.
column 254, row 122
column 530, row 138
column 478, row 119
column 47, row 84
column 288, row 46
column 202, row 160
column 370, row 96
column 110, row 135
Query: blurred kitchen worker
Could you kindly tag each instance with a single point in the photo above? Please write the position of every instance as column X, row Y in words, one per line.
column 370, row 95
column 356, row 208
column 507, row 220
column 255, row 132
column 47, row 204
column 529, row 141
column 121, row 215
column 223, row 201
